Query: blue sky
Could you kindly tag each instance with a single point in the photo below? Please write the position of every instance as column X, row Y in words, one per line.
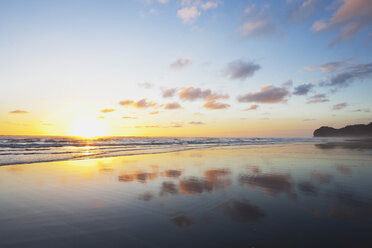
column 62, row 59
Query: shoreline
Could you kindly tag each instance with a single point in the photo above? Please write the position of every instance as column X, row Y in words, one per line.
column 150, row 152
column 363, row 144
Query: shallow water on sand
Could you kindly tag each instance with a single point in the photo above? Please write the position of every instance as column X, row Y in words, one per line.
column 283, row 195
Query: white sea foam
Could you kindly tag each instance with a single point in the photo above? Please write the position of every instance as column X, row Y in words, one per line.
column 27, row 149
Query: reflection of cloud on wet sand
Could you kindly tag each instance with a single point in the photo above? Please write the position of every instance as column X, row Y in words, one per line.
column 307, row 188
column 145, row 197
column 193, row 185
column 322, row 178
column 214, row 179
column 142, row 177
column 242, row 211
column 219, row 178
column 168, row 188
column 181, row 220
column 343, row 170
column 172, row 173
column 271, row 184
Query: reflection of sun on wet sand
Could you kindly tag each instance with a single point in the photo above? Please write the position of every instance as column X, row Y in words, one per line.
column 220, row 196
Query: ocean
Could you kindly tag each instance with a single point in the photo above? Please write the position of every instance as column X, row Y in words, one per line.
column 33, row 149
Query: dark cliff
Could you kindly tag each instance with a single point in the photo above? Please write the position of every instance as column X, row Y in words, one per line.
column 348, row 131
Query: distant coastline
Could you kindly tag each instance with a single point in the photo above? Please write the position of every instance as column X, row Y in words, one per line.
column 359, row 130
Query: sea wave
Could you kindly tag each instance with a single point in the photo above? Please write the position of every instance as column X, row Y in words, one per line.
column 26, row 149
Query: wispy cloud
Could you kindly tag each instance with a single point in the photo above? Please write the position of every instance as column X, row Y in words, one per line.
column 257, row 22
column 340, row 106
column 268, row 94
column 191, row 94
column 301, row 10
column 196, row 123
column 192, row 9
column 189, row 14
column 169, row 92
column 146, row 85
column 335, row 65
column 303, row 89
column 212, row 104
column 210, row 5
column 154, row 112
column 143, row 103
column 239, row 69
column 107, row 110
column 318, row 98
column 361, row 110
column 173, row 105
column 351, row 74
column 18, row 111
column 252, row 107
column 331, row 66
column 350, row 18
column 181, row 63
column 128, row 117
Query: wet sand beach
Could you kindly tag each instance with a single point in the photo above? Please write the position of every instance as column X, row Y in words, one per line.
column 290, row 195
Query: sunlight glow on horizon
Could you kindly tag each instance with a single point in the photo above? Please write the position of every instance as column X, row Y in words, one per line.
column 87, row 127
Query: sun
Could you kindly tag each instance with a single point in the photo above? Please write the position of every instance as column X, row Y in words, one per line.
column 87, row 127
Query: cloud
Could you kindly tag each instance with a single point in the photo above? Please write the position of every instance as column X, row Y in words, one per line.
column 361, row 110
column 350, row 18
column 173, row 105
column 268, row 94
column 212, row 104
column 128, row 117
column 181, row 63
column 351, row 74
column 196, row 123
column 303, row 10
column 303, row 89
column 188, row 14
column 257, row 22
column 143, row 103
column 151, row 1
column 239, row 69
column 154, row 113
column 333, row 66
column 340, row 106
column 252, row 107
column 169, row 92
column 287, row 84
column 192, row 9
column 18, row 111
column 318, row 98
column 146, row 85
column 191, row 94
column 209, row 5
column 107, row 110
column 256, row 28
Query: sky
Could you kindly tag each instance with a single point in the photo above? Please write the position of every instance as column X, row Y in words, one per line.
column 184, row 67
